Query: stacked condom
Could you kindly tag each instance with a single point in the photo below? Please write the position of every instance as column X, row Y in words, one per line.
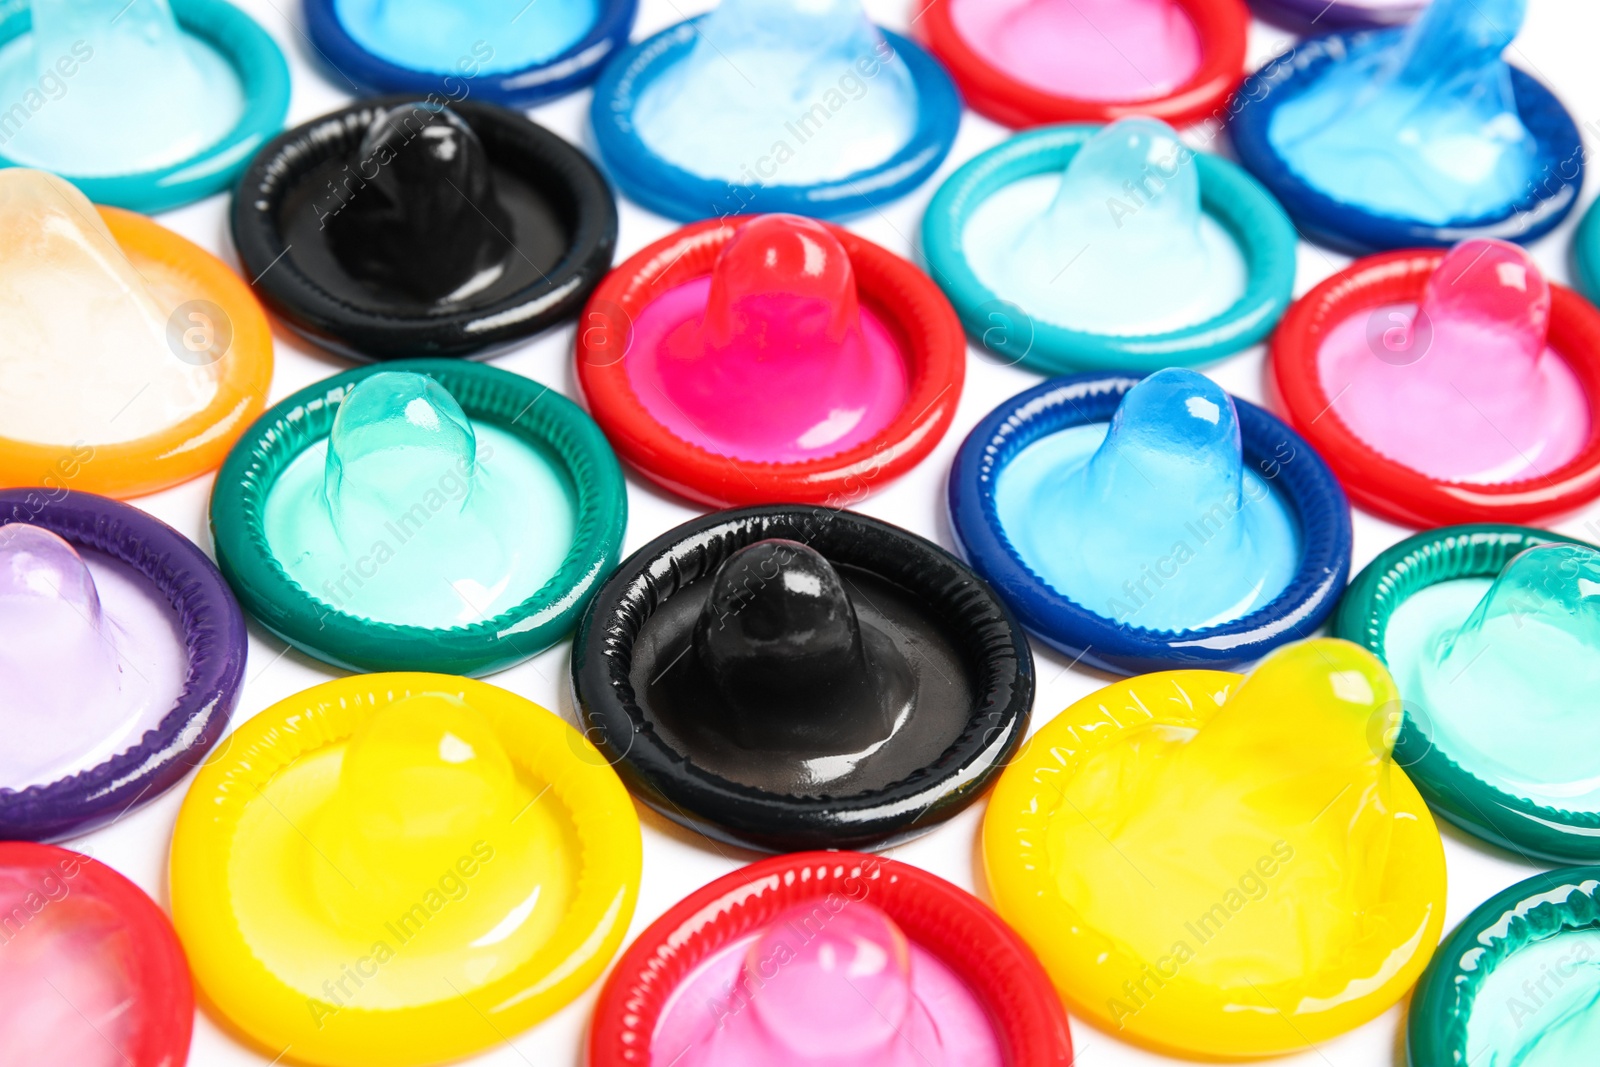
column 437, row 693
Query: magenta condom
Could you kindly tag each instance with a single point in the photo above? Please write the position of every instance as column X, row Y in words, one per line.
column 1462, row 387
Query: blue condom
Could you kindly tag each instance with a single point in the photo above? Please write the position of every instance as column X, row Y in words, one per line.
column 1115, row 246
column 1419, row 136
column 145, row 105
column 817, row 112
column 1151, row 524
column 512, row 52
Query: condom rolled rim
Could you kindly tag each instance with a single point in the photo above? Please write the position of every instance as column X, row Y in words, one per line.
column 1270, row 448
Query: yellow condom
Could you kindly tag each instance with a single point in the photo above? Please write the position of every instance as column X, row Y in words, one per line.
column 401, row 869
column 1225, row 866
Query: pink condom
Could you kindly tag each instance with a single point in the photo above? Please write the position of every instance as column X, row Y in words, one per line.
column 1463, row 387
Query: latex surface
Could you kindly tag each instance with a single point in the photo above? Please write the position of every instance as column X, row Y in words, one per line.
column 410, row 513
column 87, row 359
column 1463, row 387
column 803, row 90
column 441, row 35
column 1421, row 126
column 121, row 88
column 1085, row 49
column 843, row 988
column 1223, row 867
column 429, row 224
column 772, row 358
column 1538, row 1007
column 1118, row 245
column 1503, row 674
column 783, row 672
column 84, row 678
column 1155, row 522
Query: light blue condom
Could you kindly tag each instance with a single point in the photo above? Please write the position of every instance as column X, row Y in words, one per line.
column 494, row 35
column 800, row 93
column 1117, row 244
column 1424, row 129
column 1153, row 522
column 120, row 88
column 411, row 514
column 1540, row 1006
column 1512, row 694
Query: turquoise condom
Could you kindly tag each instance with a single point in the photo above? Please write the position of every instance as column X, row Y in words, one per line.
column 1153, row 522
column 145, row 104
column 811, row 90
column 1426, row 129
column 435, row 35
column 1116, row 244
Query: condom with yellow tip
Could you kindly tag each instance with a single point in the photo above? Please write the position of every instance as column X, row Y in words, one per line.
column 401, row 869
column 1221, row 865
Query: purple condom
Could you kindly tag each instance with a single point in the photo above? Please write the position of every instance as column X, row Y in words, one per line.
column 121, row 656
column 1320, row 16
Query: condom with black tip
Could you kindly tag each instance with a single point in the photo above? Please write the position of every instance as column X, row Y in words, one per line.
column 398, row 228
column 785, row 678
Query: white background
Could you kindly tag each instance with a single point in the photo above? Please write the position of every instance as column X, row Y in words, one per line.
column 1557, row 44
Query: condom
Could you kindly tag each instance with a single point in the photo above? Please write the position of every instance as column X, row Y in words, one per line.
column 135, row 358
column 1032, row 62
column 1495, row 369
column 1491, row 633
column 829, row 957
column 425, row 513
column 146, row 105
column 504, row 52
column 773, row 359
column 398, row 228
column 1119, row 246
column 1154, row 842
column 419, row 866
column 123, row 653
column 1387, row 139
column 1319, row 16
column 818, row 112
column 785, row 678
column 1145, row 524
column 1516, row 982
column 93, row 975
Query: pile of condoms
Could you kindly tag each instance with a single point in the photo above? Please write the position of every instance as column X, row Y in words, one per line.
column 1317, row 652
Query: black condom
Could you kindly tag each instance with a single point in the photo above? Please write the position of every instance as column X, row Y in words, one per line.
column 788, row 678
column 400, row 228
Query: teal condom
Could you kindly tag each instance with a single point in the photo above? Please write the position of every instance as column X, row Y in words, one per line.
column 766, row 71
column 1116, row 244
column 1153, row 521
column 146, row 104
column 1427, row 128
column 412, row 515
column 1510, row 692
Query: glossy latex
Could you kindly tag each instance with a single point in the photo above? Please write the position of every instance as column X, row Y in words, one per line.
column 843, row 988
column 1495, row 688
column 781, row 681
column 88, row 360
column 429, row 224
column 1155, row 522
column 1223, row 867
column 762, row 67
column 772, row 358
column 1420, row 126
column 1119, row 245
column 410, row 513
column 448, row 37
column 1540, row 1006
column 82, row 683
column 121, row 88
column 1085, row 49
column 1464, row 386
